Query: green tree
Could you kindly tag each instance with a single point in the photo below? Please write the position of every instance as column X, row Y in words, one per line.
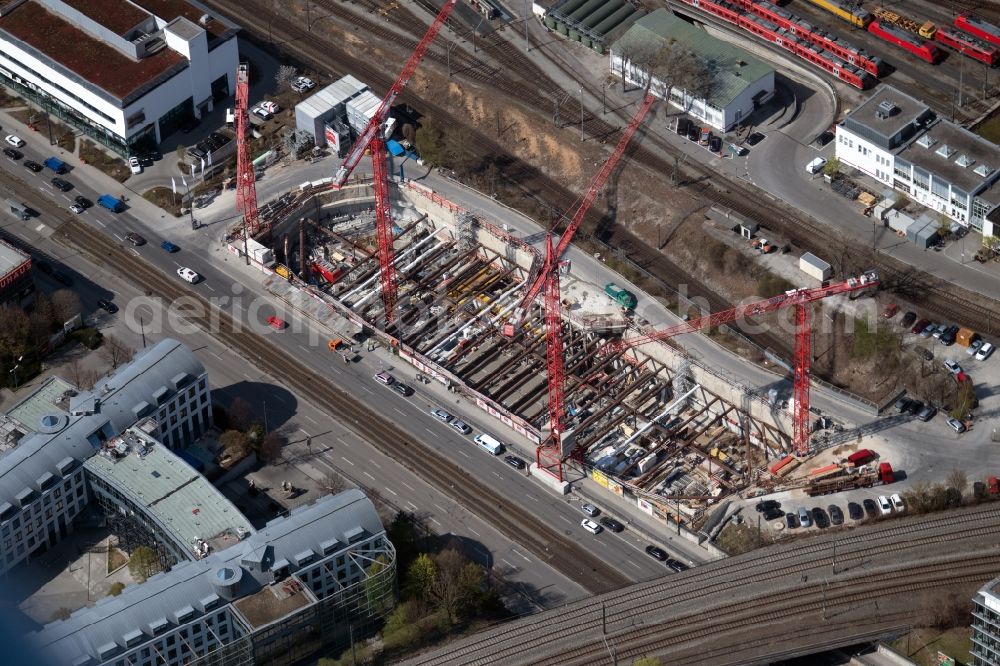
column 944, row 225
column 646, row 661
column 420, row 578
column 143, row 563
column 116, row 589
column 832, row 167
column 430, row 142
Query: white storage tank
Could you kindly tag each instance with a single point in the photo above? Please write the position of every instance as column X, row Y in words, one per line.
column 814, row 267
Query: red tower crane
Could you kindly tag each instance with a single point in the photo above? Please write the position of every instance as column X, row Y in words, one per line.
column 372, row 138
column 595, row 186
column 549, row 454
column 246, row 189
column 802, row 357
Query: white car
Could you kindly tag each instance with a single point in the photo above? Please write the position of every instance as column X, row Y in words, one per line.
column 302, row 84
column 270, row 107
column 897, row 502
column 591, row 526
column 953, row 368
column 984, row 351
column 884, row 506
column 188, row 274
column 816, row 165
column 261, row 113
column 384, row 378
column 133, row 165
column 76, row 208
column 14, row 140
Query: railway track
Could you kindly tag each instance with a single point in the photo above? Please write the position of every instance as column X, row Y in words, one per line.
column 519, row 525
column 661, row 617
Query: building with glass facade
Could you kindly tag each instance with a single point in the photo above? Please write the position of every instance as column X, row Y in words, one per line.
column 124, row 72
column 986, row 625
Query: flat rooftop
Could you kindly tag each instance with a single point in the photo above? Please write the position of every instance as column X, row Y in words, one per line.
column 118, row 16
column 273, row 602
column 180, row 499
column 168, row 10
column 907, row 110
column 90, row 59
column 964, row 159
column 51, row 397
column 10, row 258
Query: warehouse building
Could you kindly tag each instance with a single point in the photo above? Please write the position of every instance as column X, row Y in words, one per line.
column 593, row 23
column 49, row 436
column 16, row 283
column 900, row 141
column 126, row 73
column 304, row 584
column 738, row 84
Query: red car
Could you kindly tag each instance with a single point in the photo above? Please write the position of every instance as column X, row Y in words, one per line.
column 920, row 326
column 276, row 323
column 890, row 311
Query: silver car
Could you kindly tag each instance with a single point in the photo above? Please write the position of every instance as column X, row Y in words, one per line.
column 460, row 426
column 441, row 415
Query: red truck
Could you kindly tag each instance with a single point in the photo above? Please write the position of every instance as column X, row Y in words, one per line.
column 849, row 481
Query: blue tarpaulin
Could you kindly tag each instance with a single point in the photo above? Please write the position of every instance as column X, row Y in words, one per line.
column 394, row 147
column 191, row 460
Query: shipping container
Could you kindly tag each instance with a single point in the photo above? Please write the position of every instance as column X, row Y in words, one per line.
column 815, row 267
column 861, row 457
column 825, row 471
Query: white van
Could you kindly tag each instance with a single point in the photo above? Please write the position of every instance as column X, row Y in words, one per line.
column 816, row 165
column 489, row 443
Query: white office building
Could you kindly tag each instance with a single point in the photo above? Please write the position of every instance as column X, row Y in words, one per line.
column 986, row 625
column 900, row 141
column 740, row 83
column 46, row 439
column 125, row 72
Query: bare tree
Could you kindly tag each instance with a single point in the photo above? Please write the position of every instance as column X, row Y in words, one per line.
column 269, row 448
column 14, row 330
column 333, row 483
column 957, row 479
column 234, row 443
column 116, row 352
column 635, row 49
column 65, row 305
column 283, row 77
column 241, row 414
column 74, row 371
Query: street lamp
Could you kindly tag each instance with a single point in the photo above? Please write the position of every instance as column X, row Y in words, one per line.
column 13, row 371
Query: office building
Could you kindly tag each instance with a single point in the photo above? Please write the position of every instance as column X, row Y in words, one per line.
column 126, row 73
column 902, row 143
column 986, row 625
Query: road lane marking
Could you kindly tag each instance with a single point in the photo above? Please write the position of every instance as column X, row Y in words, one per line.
column 399, row 411
column 566, row 519
column 522, row 555
column 209, row 287
column 369, row 476
column 102, row 224
column 441, row 508
column 346, row 460
column 635, row 565
column 412, row 489
column 392, row 491
column 498, row 475
column 303, row 349
column 532, row 498
column 341, row 440
column 429, row 430
column 433, row 520
column 39, row 228
column 475, row 532
column 304, row 432
column 411, row 504
column 464, row 453
column 367, row 389
column 310, row 419
column 504, row 560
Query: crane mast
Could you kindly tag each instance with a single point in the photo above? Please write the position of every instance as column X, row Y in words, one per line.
column 246, row 188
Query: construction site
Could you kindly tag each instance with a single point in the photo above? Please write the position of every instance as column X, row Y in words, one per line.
column 557, row 358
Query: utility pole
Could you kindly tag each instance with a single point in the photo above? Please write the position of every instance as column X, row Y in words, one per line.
column 582, row 137
column 527, row 17
column 604, row 98
column 142, row 329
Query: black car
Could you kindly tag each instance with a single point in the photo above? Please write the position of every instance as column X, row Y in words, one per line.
column 836, row 515
column 715, row 144
column 61, row 185
column 62, row 278
column 871, row 508
column 83, row 202
column 31, row 165
column 854, row 511
column 656, row 552
column 693, row 132
column 908, row 319
column 515, row 462
column 683, row 125
column 820, row 518
column 13, row 154
column 773, row 514
column 107, row 306
column 755, row 138
column 767, row 505
column 677, row 565
column 401, row 389
column 612, row 524
column 914, row 407
column 948, row 337
column 791, row 520
column 44, row 266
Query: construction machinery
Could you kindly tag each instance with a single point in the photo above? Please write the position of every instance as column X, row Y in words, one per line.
column 246, row 188
column 800, row 299
column 373, row 138
column 925, row 29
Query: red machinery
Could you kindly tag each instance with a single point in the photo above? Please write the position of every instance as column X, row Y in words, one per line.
column 549, row 454
column 246, row 189
column 800, row 300
column 595, row 186
column 372, row 138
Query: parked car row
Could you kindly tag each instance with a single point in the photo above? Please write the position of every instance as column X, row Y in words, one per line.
column 833, row 515
column 946, row 334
